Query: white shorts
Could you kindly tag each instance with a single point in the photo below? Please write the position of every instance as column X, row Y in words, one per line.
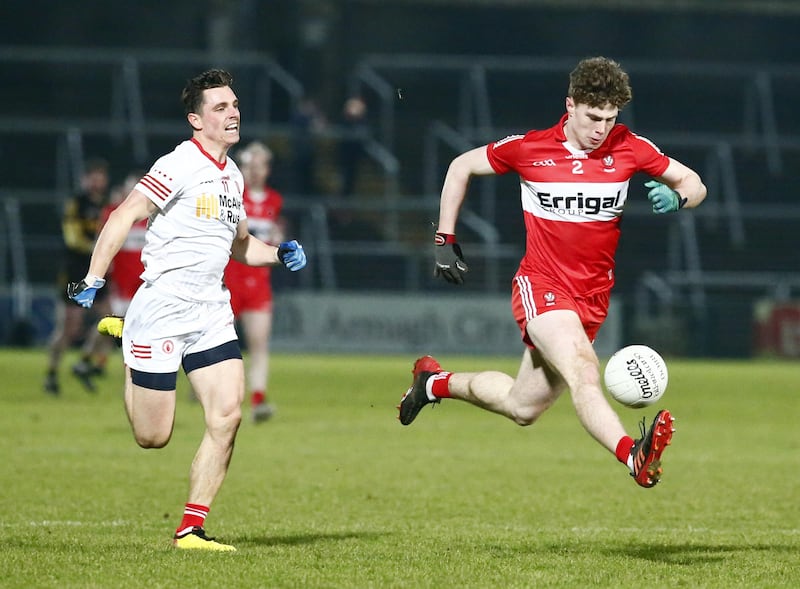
column 161, row 329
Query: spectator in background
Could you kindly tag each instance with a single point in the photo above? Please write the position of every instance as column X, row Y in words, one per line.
column 250, row 286
column 345, row 222
column 307, row 120
column 80, row 224
column 126, row 269
column 352, row 147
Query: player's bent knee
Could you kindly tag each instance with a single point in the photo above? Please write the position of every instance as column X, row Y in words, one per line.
column 525, row 416
column 524, row 420
column 151, row 443
column 152, row 440
column 225, row 422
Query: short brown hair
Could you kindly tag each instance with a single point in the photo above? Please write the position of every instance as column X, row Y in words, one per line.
column 192, row 95
column 598, row 81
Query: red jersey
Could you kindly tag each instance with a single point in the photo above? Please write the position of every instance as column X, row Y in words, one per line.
column 572, row 200
column 250, row 286
column 126, row 268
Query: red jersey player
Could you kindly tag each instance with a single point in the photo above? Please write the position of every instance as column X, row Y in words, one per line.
column 126, row 269
column 574, row 182
column 250, row 287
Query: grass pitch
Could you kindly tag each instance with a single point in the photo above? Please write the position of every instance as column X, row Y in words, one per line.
column 334, row 492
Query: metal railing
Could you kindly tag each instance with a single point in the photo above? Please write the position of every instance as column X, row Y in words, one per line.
column 680, row 280
column 474, row 108
column 127, row 121
column 126, row 118
column 20, row 285
column 315, row 220
column 759, row 131
column 665, row 292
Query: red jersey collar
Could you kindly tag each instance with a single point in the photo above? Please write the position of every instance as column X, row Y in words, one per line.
column 220, row 166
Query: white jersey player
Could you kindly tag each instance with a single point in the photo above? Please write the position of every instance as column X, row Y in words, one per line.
column 200, row 200
column 181, row 315
column 574, row 182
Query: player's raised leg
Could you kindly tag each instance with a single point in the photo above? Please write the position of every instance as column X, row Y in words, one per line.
column 561, row 338
column 563, row 358
column 151, row 408
column 521, row 399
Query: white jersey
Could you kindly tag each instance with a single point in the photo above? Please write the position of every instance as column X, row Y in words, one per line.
column 189, row 237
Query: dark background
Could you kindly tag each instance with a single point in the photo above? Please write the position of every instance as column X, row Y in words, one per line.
column 321, row 43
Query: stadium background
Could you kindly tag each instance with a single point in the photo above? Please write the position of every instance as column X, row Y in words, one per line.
column 715, row 84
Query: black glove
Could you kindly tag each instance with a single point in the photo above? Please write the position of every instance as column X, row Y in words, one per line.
column 449, row 259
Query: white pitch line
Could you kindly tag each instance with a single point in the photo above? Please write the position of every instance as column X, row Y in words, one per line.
column 65, row 523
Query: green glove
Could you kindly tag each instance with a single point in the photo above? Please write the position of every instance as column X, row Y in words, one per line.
column 664, row 198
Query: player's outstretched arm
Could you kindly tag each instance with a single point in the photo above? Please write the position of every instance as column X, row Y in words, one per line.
column 250, row 250
column 450, row 263
column 133, row 209
column 471, row 163
column 678, row 187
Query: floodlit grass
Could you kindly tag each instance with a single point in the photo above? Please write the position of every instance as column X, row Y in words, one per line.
column 333, row 492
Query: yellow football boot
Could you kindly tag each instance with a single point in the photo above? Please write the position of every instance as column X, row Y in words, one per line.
column 197, row 540
column 111, row 325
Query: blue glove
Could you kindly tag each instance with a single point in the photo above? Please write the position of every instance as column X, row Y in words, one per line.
column 292, row 255
column 83, row 293
column 664, row 198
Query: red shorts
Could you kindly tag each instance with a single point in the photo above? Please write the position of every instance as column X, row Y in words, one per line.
column 250, row 288
column 531, row 296
column 125, row 272
column 250, row 295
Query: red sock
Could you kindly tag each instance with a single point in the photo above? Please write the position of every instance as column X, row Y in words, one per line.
column 624, row 449
column 193, row 516
column 257, row 398
column 440, row 385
